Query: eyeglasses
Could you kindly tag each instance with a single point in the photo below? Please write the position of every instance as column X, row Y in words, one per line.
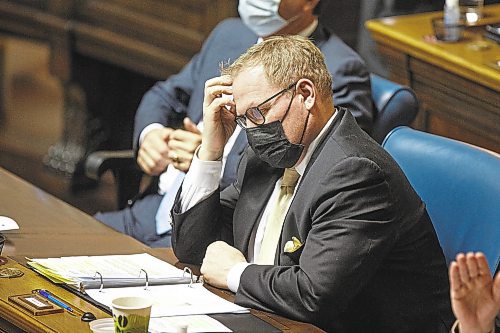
column 254, row 114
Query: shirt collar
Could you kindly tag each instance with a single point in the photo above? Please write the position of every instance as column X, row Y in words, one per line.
column 301, row 167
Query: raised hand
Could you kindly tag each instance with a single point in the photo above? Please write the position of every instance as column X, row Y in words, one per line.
column 218, row 117
column 475, row 296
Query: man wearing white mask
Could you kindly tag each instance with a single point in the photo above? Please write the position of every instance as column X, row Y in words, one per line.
column 164, row 150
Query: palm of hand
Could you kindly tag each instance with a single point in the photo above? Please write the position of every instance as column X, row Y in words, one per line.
column 474, row 304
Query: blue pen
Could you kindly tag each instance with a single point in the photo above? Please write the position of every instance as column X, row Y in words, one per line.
column 51, row 298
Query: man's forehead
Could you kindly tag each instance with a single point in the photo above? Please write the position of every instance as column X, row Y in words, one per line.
column 250, row 82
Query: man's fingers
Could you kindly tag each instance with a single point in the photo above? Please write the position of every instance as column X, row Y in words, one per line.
column 219, row 90
column 188, row 147
column 181, row 160
column 151, row 161
column 220, row 101
column 482, row 264
column 472, row 266
column 455, row 281
column 462, row 268
column 496, row 290
column 185, row 136
column 219, row 80
column 190, row 126
column 151, row 167
column 216, row 87
column 154, row 156
column 164, row 133
column 223, row 102
column 146, row 164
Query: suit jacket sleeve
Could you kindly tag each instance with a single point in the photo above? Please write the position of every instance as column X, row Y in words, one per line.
column 351, row 228
column 208, row 221
column 167, row 101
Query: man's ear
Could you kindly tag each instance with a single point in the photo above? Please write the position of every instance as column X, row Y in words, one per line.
column 307, row 92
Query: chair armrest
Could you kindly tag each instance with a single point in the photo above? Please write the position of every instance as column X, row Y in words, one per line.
column 100, row 161
column 396, row 105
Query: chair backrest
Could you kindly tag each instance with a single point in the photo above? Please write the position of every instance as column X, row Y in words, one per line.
column 395, row 105
column 459, row 183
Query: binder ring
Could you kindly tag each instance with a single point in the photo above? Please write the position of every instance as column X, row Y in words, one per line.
column 147, row 278
column 190, row 272
column 102, row 283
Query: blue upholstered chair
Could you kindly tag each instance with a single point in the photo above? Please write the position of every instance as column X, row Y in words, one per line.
column 459, row 183
column 395, row 105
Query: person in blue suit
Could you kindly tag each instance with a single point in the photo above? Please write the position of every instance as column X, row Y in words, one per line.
column 165, row 130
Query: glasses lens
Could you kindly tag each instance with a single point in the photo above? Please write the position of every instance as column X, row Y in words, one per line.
column 255, row 116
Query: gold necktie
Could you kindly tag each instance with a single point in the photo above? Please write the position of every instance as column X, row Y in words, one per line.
column 276, row 218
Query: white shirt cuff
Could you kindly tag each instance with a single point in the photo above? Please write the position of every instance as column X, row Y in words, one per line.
column 148, row 129
column 200, row 182
column 234, row 276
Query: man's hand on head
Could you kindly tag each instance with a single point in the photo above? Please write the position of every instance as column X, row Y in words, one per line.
column 219, row 259
column 153, row 152
column 218, row 117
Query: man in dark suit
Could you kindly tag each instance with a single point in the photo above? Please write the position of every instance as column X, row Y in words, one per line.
column 164, row 107
column 352, row 248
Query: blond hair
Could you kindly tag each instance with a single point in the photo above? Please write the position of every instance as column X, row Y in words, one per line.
column 286, row 59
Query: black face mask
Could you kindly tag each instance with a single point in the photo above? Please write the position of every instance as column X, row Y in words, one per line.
column 271, row 145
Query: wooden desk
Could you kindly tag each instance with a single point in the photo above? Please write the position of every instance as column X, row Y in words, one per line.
column 458, row 90
column 50, row 227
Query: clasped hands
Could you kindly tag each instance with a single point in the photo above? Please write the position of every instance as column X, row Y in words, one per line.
column 164, row 146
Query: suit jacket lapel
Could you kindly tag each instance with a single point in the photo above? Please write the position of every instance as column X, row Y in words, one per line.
column 230, row 170
column 253, row 199
column 290, row 227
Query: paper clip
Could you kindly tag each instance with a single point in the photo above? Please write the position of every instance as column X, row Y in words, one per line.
column 190, row 272
column 102, row 282
column 147, row 278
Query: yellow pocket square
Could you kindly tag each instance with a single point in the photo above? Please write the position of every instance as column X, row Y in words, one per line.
column 292, row 245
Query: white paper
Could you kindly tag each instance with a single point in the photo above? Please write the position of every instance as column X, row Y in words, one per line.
column 6, row 223
column 172, row 300
column 195, row 324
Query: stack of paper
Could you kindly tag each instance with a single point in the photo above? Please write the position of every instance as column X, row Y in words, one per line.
column 115, row 270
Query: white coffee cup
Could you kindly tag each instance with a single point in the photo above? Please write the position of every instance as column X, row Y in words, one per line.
column 131, row 314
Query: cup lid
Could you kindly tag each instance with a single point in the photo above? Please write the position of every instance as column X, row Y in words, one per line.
column 105, row 325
